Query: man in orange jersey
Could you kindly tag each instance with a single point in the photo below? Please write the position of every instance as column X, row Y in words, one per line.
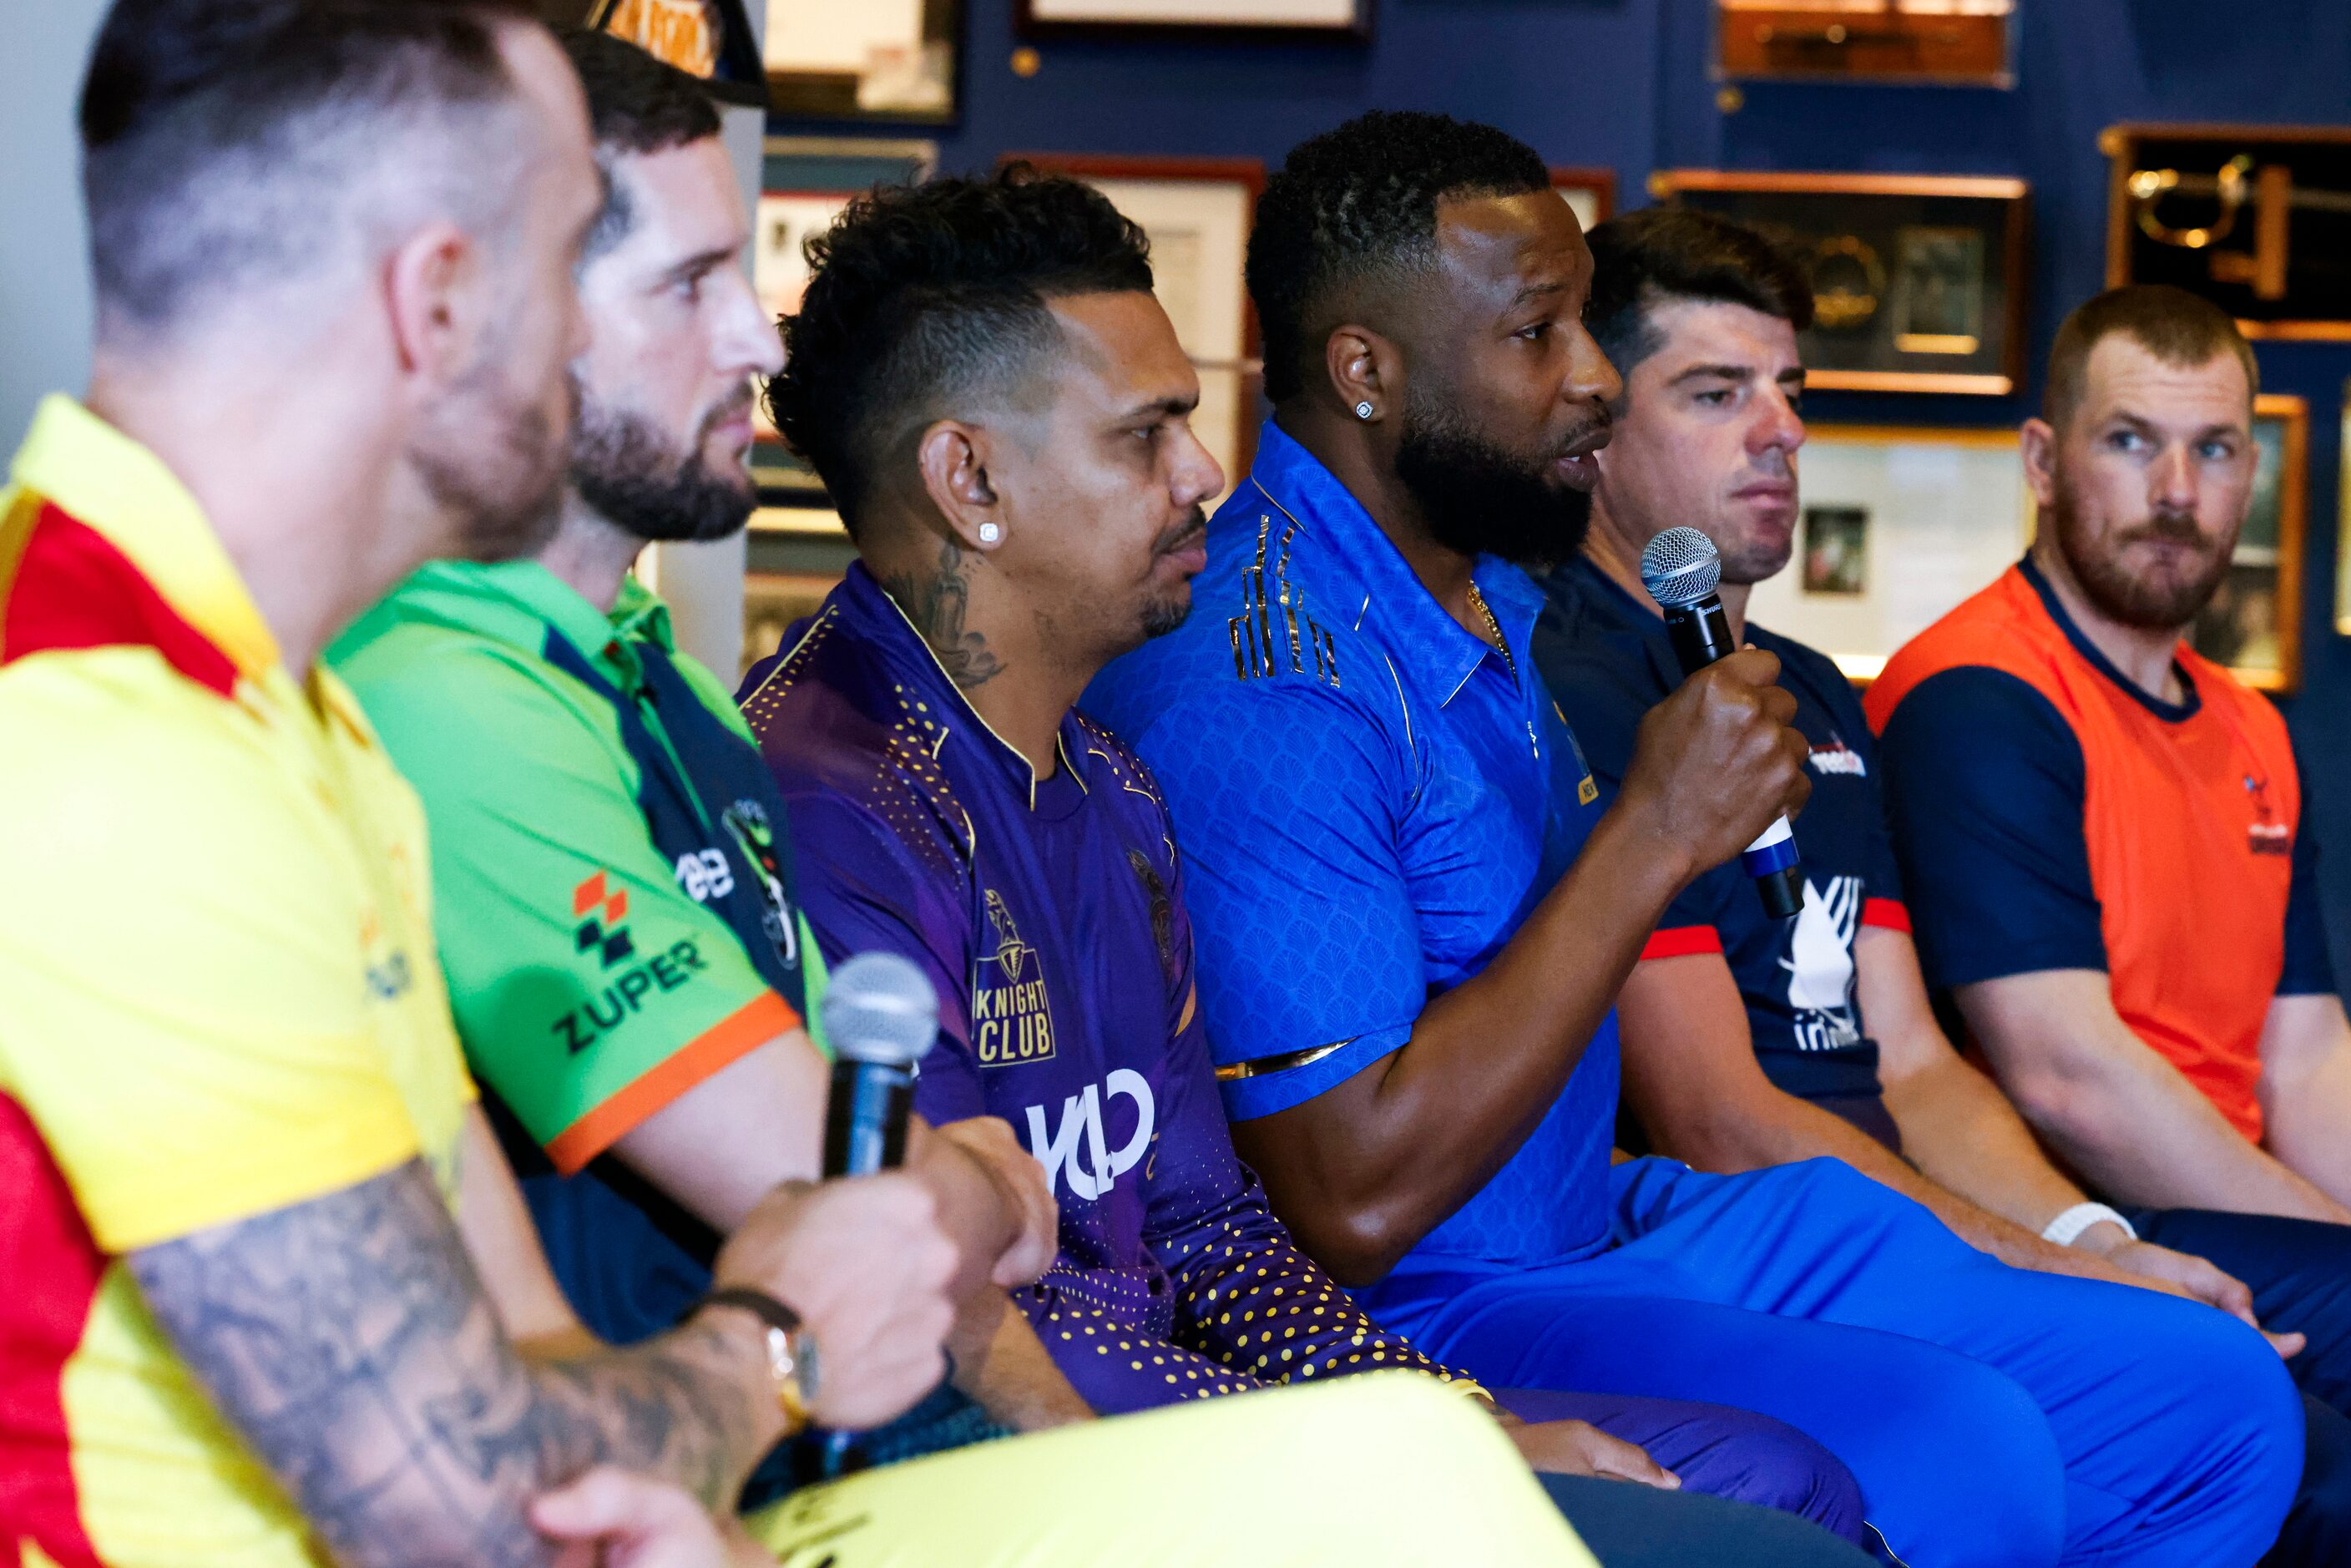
column 2103, row 838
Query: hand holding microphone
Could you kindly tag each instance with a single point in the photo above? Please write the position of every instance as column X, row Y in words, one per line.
column 1718, row 758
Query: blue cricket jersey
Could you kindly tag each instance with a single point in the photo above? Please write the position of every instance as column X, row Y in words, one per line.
column 1371, row 800
column 1050, row 915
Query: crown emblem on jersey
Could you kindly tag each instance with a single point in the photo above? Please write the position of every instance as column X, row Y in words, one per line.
column 1011, row 953
column 601, row 932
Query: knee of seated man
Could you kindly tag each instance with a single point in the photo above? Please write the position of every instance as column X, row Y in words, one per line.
column 2220, row 1395
column 1769, row 1463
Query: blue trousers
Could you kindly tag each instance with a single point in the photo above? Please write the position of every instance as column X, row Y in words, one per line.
column 1993, row 1417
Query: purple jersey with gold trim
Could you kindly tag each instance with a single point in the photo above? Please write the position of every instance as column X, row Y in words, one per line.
column 1050, row 915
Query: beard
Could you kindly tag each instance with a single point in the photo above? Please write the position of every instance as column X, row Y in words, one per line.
column 638, row 482
column 1165, row 614
column 2158, row 604
column 1477, row 500
column 506, row 492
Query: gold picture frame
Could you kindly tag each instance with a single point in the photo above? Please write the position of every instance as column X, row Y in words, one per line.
column 2253, row 624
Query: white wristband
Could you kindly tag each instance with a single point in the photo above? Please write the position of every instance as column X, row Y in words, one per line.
column 2067, row 1228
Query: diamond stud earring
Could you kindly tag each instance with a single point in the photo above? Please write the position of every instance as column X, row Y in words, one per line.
column 1364, row 410
column 989, row 533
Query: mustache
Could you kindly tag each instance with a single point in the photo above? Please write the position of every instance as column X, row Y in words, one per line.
column 734, row 405
column 1184, row 534
column 1600, row 424
column 2169, row 527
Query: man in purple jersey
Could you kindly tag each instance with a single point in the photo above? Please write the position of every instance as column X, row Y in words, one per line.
column 1000, row 409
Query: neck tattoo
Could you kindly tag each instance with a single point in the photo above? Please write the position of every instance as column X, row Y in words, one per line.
column 936, row 605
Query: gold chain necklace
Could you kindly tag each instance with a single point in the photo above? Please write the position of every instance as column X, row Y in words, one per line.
column 1494, row 630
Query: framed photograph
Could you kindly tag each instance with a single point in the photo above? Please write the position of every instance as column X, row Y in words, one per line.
column 706, row 38
column 1834, row 550
column 1949, row 43
column 864, row 60
column 787, row 573
column 2253, row 624
column 2256, row 219
column 1919, row 282
column 1251, row 21
column 1198, row 212
column 806, row 182
column 1897, row 525
column 1591, row 194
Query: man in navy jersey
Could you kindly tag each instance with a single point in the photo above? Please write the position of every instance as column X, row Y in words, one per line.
column 1416, row 909
column 1750, row 1041
column 1001, row 408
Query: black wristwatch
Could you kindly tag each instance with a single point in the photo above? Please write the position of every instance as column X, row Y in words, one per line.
column 791, row 1353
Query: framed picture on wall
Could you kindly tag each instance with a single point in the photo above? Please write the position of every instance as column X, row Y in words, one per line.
column 806, row 181
column 1198, row 212
column 706, row 39
column 2256, row 219
column 864, row 60
column 2253, row 624
column 1950, row 43
column 772, row 601
column 1917, row 281
column 1254, row 21
column 1591, row 194
column 1896, row 525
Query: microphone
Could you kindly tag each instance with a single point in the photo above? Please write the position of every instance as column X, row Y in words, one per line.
column 1681, row 568
column 880, row 1017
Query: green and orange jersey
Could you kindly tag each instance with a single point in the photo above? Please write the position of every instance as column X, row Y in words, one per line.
column 218, row 990
column 2049, row 814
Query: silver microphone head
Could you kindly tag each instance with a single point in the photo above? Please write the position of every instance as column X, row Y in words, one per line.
column 879, row 1007
column 1680, row 567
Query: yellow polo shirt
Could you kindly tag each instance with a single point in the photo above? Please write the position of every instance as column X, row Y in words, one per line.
column 218, row 990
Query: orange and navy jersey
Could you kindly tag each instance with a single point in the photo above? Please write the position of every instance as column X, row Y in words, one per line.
column 2051, row 815
column 221, row 996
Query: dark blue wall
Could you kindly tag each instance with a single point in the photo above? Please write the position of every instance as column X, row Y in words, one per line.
column 1623, row 84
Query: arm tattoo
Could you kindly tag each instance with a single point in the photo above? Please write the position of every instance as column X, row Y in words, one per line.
column 937, row 606
column 350, row 1341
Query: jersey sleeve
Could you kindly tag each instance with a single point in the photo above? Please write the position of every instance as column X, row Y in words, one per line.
column 1985, row 785
column 1306, row 930
column 867, row 890
column 1246, row 1296
column 2309, row 965
column 184, row 989
column 590, row 988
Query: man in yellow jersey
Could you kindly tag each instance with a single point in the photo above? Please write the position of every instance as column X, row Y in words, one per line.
column 272, row 1297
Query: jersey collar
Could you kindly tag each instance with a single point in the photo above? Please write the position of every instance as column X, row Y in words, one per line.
column 1378, row 585
column 875, row 617
column 484, row 596
column 2170, row 713
column 109, row 483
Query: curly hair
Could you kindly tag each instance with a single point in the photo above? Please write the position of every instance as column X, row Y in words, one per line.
column 1644, row 258
column 1357, row 203
column 924, row 299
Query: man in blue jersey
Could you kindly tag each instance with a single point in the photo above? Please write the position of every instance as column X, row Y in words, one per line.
column 1001, row 408
column 1750, row 1041
column 1415, row 909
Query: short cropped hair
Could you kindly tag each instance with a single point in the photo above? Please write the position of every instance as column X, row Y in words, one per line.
column 2175, row 326
column 1644, row 259
column 224, row 141
column 924, row 299
column 1359, row 203
column 636, row 104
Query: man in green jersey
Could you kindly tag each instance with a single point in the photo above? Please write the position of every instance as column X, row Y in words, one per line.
column 630, row 975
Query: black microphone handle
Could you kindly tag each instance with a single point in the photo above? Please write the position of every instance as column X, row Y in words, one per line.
column 865, row 1118
column 1701, row 633
column 1701, row 636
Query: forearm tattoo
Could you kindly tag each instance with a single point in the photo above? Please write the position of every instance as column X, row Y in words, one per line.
column 349, row 1339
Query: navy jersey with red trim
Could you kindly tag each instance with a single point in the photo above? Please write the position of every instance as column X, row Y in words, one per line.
column 1608, row 661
